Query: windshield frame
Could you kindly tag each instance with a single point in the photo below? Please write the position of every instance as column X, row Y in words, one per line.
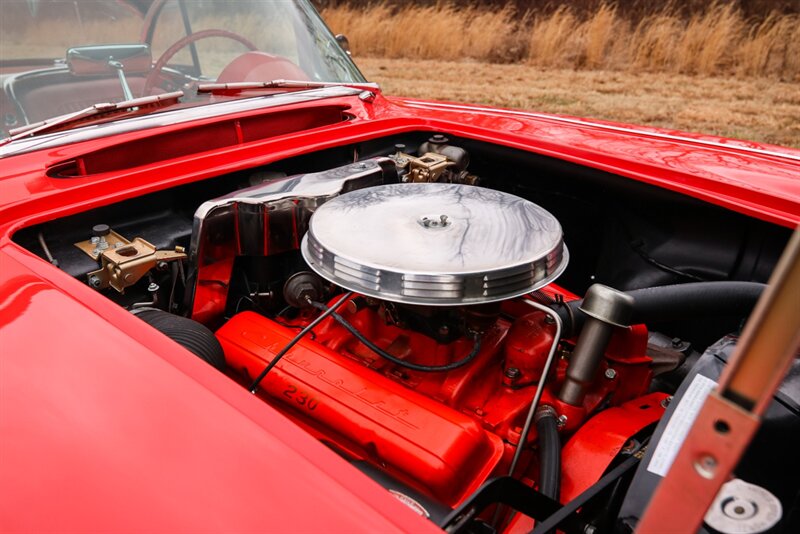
column 320, row 55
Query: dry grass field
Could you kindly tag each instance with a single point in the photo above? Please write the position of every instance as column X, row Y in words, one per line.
column 714, row 71
column 710, row 69
column 755, row 109
column 718, row 40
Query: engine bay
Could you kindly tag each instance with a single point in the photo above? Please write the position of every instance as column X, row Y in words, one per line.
column 438, row 311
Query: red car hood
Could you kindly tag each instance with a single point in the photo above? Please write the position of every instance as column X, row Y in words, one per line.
column 116, row 428
column 108, row 425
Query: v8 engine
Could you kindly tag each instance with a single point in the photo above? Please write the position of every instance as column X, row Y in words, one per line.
column 409, row 318
column 436, row 355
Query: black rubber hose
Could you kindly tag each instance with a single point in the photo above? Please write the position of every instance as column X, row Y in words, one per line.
column 677, row 303
column 383, row 354
column 190, row 334
column 549, row 453
column 296, row 339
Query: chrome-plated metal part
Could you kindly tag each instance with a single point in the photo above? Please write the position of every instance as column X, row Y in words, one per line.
column 120, row 68
column 95, row 245
column 583, row 123
column 490, row 245
column 152, row 288
column 367, row 96
column 523, row 436
column 545, row 411
column 266, row 219
column 608, row 305
column 512, row 373
column 22, row 144
column 705, row 466
column 102, row 108
column 606, row 308
column 101, row 245
column 46, row 249
column 98, row 60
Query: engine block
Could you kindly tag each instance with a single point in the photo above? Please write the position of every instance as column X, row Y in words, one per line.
column 441, row 433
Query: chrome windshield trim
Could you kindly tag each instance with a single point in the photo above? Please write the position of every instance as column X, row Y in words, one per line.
column 164, row 118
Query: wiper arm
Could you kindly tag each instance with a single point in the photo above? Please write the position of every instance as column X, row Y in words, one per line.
column 237, row 87
column 92, row 111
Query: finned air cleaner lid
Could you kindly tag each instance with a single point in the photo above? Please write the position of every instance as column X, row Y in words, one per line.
column 435, row 244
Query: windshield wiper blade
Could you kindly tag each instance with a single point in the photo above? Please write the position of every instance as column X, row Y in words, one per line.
column 237, row 87
column 98, row 109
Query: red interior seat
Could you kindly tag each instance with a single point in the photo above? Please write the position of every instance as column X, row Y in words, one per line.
column 260, row 67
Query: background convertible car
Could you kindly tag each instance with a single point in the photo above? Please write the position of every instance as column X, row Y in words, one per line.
column 241, row 289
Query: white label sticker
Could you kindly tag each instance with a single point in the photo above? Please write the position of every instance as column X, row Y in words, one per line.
column 679, row 424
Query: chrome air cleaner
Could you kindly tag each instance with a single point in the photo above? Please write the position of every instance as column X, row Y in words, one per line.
column 435, row 244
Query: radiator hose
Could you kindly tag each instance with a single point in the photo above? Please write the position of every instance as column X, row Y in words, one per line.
column 676, row 302
column 549, row 452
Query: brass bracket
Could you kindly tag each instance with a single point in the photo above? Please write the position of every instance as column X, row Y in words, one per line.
column 123, row 266
column 431, row 167
column 427, row 168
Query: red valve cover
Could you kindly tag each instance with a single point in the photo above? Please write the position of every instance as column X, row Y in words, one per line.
column 421, row 441
column 442, row 433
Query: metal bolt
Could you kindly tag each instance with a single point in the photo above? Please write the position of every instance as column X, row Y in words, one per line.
column 162, row 265
column 443, row 220
column 629, row 447
column 549, row 320
column 589, row 529
column 611, row 374
column 153, row 287
column 512, row 373
column 562, row 420
column 676, row 342
column 94, row 281
column 444, row 330
column 94, row 240
column 666, row 401
column 705, row 466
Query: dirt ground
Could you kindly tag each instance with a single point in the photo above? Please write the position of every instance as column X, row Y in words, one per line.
column 751, row 109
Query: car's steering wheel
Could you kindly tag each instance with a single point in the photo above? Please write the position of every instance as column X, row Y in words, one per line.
column 154, row 74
